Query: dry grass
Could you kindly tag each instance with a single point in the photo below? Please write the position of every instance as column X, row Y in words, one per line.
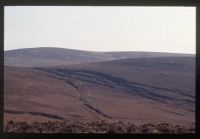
column 92, row 127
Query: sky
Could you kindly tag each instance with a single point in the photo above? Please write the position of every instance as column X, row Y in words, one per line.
column 101, row 28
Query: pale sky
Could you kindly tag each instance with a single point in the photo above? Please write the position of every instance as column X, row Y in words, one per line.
column 101, row 28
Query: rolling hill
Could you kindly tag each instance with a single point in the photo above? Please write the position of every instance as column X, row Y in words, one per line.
column 49, row 56
column 50, row 84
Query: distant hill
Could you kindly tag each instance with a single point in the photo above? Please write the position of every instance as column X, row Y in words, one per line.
column 49, row 56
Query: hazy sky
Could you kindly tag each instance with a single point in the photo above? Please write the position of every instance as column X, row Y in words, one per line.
column 111, row 28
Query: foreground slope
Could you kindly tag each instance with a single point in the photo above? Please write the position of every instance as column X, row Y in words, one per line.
column 144, row 90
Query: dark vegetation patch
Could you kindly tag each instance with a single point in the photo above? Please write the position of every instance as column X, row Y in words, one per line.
column 98, row 126
column 35, row 114
column 133, row 88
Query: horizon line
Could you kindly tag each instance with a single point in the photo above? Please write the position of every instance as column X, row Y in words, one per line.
column 99, row 51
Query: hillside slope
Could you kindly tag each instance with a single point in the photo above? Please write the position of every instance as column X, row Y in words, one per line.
column 144, row 90
column 49, row 56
